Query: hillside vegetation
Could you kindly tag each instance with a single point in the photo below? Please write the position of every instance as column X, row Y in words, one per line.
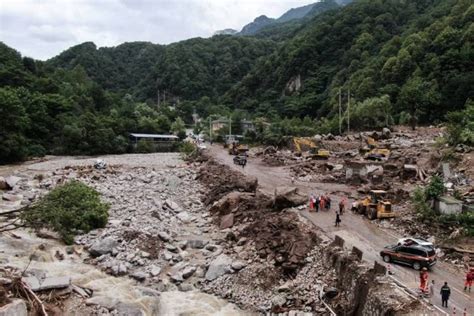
column 418, row 53
column 403, row 62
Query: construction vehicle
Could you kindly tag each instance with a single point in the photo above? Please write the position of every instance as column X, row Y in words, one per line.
column 240, row 160
column 374, row 206
column 238, row 149
column 230, row 140
column 314, row 151
column 374, row 151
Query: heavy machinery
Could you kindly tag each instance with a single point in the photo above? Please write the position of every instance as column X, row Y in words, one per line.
column 230, row 140
column 240, row 160
column 314, row 151
column 374, row 151
column 374, row 206
column 238, row 149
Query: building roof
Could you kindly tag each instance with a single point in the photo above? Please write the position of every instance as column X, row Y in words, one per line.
column 153, row 136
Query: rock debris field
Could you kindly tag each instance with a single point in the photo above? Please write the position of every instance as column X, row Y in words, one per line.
column 196, row 226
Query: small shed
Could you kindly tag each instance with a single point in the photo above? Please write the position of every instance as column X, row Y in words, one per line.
column 448, row 205
column 161, row 142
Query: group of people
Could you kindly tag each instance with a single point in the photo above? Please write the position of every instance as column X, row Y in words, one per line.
column 445, row 290
column 323, row 202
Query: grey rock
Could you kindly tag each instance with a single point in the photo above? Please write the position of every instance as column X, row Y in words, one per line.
column 102, row 247
column 211, row 247
column 197, row 243
column 171, row 204
column 12, row 197
column 164, row 236
column 139, row 276
column 3, row 184
column 104, row 301
column 12, row 181
column 124, row 309
column 183, row 244
column 167, row 256
column 171, row 248
column 185, row 287
column 177, row 278
column 238, row 265
column 278, row 300
column 188, row 272
column 218, row 267
column 184, row 217
column 15, row 308
column 155, row 270
column 47, row 283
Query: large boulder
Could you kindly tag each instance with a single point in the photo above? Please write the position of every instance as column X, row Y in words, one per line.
column 12, row 181
column 227, row 221
column 288, row 197
column 3, row 184
column 218, row 267
column 102, row 247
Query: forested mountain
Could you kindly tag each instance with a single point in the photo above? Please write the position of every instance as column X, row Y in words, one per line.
column 116, row 68
column 419, row 53
column 289, row 20
column 44, row 110
column 189, row 69
column 403, row 61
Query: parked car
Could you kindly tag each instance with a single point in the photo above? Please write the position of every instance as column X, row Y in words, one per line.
column 408, row 241
column 415, row 256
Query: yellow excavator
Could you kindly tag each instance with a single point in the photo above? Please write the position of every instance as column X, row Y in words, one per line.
column 374, row 206
column 314, row 151
column 238, row 149
column 375, row 152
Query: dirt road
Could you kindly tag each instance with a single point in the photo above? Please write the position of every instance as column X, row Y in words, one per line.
column 355, row 229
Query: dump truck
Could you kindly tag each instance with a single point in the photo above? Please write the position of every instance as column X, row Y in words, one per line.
column 314, row 151
column 374, row 206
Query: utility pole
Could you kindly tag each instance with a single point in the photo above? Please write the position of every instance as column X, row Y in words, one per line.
column 158, row 98
column 210, row 129
column 230, row 126
column 340, row 112
column 348, row 110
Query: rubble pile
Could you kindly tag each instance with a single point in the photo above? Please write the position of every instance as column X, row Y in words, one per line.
column 221, row 179
column 270, row 243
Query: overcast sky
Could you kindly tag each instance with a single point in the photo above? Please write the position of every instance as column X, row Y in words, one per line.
column 43, row 28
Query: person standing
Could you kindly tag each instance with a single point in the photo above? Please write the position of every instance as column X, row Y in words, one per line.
column 342, row 205
column 322, row 203
column 338, row 219
column 431, row 289
column 311, row 203
column 328, row 202
column 469, row 279
column 316, row 204
column 424, row 280
column 445, row 293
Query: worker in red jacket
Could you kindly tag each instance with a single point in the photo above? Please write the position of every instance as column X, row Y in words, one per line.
column 469, row 279
column 424, row 280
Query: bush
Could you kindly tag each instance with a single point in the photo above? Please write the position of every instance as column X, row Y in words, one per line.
column 69, row 209
column 435, row 189
column 187, row 149
column 145, row 146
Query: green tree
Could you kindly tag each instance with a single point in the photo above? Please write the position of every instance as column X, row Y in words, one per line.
column 70, row 209
column 178, row 128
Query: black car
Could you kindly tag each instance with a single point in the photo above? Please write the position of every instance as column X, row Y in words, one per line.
column 414, row 255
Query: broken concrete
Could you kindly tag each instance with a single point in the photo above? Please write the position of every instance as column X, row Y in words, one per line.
column 47, row 283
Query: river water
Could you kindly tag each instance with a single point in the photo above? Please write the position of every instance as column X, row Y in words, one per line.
column 109, row 289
